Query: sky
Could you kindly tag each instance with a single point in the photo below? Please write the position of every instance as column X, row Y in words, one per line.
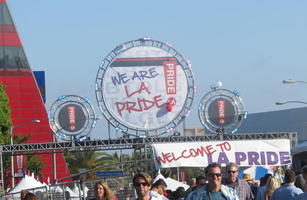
column 250, row 46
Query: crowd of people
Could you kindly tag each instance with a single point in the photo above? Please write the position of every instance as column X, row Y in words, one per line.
column 26, row 195
column 214, row 185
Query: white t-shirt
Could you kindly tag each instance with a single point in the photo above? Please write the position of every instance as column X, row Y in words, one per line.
column 156, row 196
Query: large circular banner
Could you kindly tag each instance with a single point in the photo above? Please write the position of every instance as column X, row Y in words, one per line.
column 221, row 111
column 71, row 116
column 144, row 87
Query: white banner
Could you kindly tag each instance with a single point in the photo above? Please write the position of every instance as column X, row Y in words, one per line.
column 243, row 152
column 140, row 83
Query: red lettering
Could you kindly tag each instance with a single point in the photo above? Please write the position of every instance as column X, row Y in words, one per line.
column 170, row 77
column 163, row 159
column 72, row 117
column 167, row 156
column 131, row 106
column 224, row 146
column 140, row 105
column 147, row 104
column 209, row 148
column 157, row 99
column 187, row 153
column 142, row 87
column 221, row 110
column 183, row 152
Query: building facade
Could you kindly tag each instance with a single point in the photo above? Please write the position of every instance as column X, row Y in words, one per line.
column 25, row 100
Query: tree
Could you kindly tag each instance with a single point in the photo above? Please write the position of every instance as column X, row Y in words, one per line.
column 5, row 125
column 5, row 117
column 89, row 160
column 34, row 164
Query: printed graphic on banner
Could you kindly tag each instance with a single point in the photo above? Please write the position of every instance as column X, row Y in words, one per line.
column 144, row 88
column 72, row 117
column 221, row 112
column 244, row 153
column 170, row 77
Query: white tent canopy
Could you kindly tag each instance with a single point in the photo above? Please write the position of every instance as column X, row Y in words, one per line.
column 299, row 148
column 172, row 184
column 27, row 182
column 76, row 190
column 71, row 193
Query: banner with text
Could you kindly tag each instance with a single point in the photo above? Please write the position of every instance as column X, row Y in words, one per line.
column 243, row 152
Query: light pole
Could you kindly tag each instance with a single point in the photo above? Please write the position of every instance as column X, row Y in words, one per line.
column 285, row 102
column 11, row 143
column 290, row 81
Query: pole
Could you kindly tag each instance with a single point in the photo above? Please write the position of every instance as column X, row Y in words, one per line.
column 12, row 159
column 183, row 126
column 2, row 177
column 109, row 130
column 54, row 160
column 12, row 143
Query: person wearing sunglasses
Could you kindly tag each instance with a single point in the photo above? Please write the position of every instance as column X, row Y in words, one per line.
column 142, row 183
column 241, row 186
column 214, row 190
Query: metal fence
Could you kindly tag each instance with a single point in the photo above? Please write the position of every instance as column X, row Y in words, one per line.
column 122, row 187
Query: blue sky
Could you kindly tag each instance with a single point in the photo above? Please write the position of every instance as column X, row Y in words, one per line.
column 250, row 46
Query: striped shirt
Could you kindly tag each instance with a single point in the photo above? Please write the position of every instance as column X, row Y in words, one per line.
column 242, row 187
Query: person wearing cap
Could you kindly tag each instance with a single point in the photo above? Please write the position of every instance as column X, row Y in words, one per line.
column 252, row 183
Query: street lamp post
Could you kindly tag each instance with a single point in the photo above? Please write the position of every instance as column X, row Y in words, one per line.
column 290, row 81
column 11, row 143
column 285, row 102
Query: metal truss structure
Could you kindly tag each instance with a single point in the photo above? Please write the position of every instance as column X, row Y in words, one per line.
column 136, row 143
column 133, row 143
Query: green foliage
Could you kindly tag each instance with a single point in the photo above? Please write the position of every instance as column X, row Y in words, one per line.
column 137, row 162
column 34, row 164
column 5, row 119
column 89, row 160
column 107, row 162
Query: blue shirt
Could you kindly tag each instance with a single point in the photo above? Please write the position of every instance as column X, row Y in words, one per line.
column 302, row 196
column 260, row 193
column 286, row 192
column 202, row 193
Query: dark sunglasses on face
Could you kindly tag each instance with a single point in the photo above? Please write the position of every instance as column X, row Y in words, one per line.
column 215, row 174
column 231, row 172
column 139, row 184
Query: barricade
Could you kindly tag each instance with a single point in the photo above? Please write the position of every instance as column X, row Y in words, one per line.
column 84, row 190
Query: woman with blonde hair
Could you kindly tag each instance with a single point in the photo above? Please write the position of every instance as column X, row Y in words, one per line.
column 271, row 185
column 103, row 192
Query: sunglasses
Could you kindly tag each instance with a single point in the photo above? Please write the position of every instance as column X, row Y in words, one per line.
column 139, row 184
column 215, row 174
column 231, row 172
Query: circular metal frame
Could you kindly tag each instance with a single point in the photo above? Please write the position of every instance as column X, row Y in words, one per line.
column 120, row 124
column 61, row 102
column 236, row 102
